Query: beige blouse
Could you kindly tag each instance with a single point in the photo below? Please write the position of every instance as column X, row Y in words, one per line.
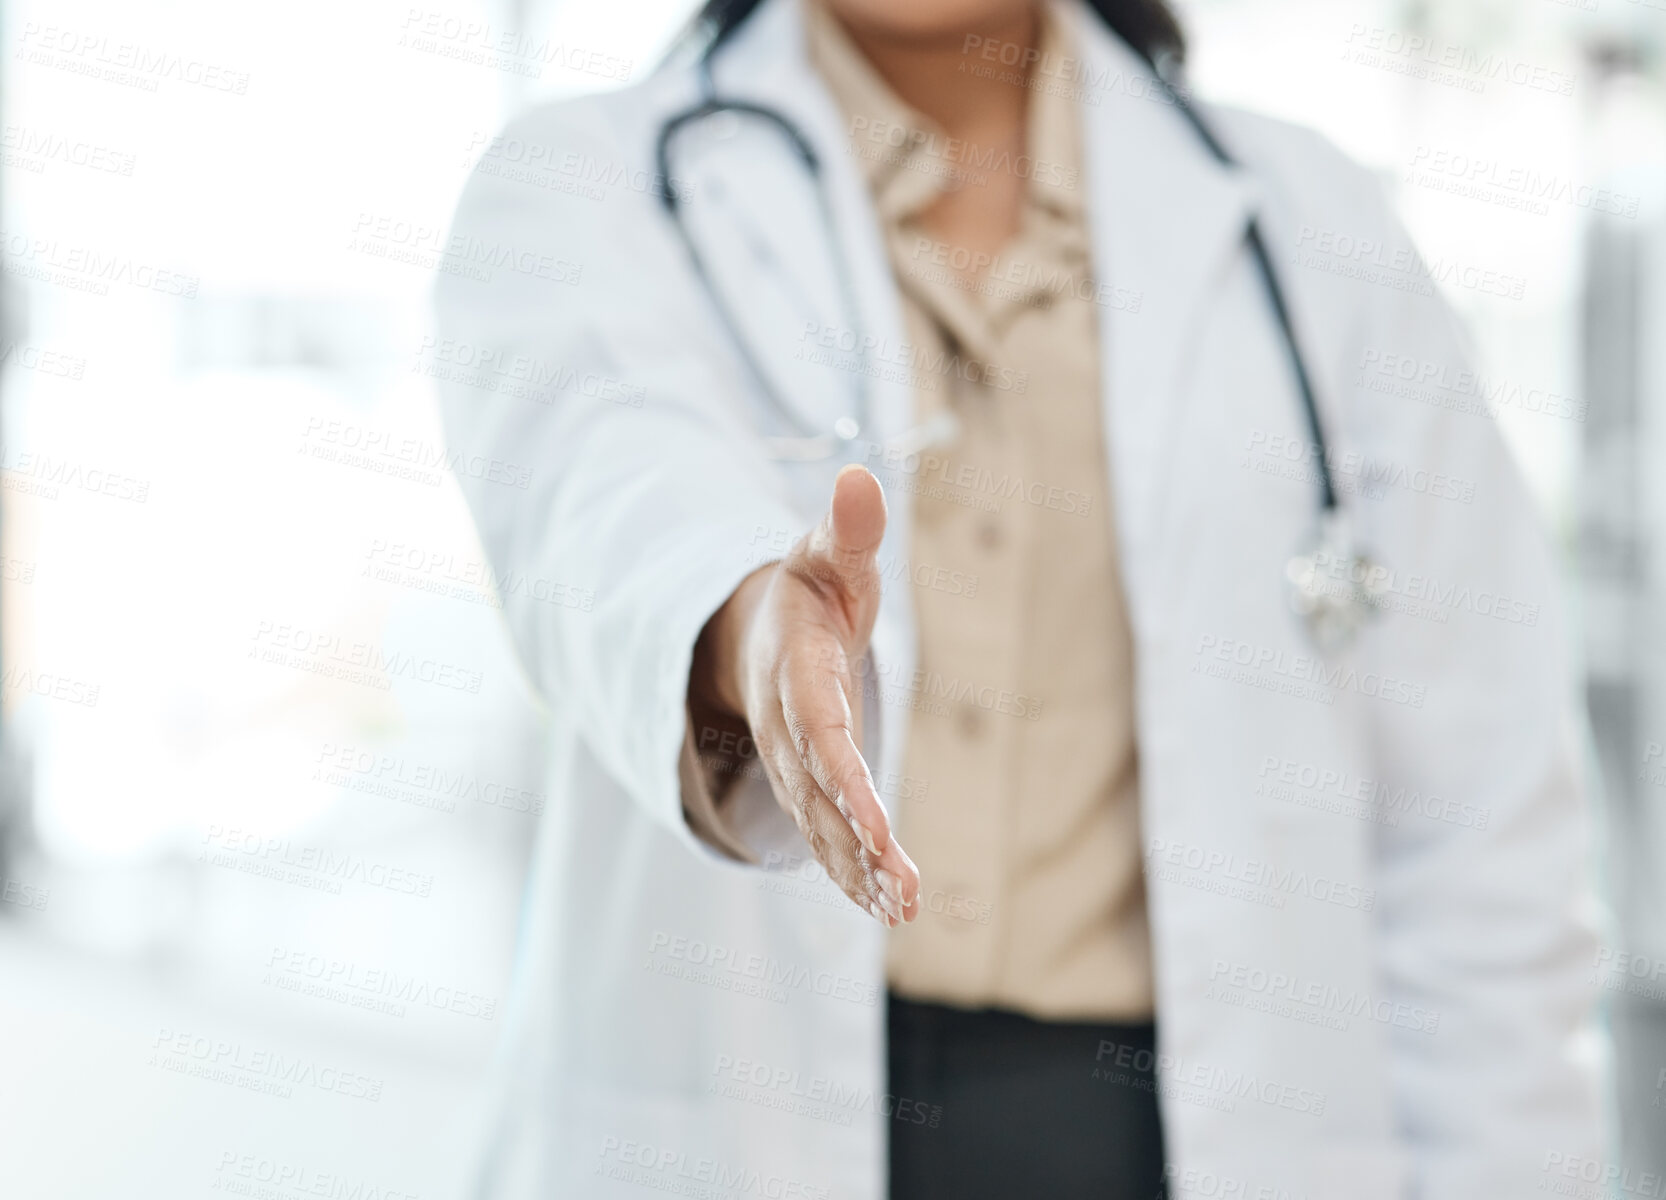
column 1027, row 838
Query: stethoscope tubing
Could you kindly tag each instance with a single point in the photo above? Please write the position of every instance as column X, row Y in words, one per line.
column 711, row 105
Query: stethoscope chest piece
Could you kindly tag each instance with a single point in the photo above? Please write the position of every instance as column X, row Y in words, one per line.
column 1334, row 587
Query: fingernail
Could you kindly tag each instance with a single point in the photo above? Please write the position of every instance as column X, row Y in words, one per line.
column 893, row 908
column 890, row 884
column 863, row 836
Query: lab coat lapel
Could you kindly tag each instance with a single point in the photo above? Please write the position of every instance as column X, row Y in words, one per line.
column 1166, row 220
column 768, row 64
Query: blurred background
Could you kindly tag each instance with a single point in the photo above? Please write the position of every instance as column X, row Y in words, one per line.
column 268, row 773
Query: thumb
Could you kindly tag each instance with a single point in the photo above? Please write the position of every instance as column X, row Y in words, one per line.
column 841, row 553
column 856, row 517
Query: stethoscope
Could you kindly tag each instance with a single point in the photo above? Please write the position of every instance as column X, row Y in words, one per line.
column 1333, row 586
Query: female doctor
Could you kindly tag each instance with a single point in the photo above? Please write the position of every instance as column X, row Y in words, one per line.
column 1058, row 714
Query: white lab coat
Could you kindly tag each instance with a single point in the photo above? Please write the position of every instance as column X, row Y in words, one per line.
column 686, row 1022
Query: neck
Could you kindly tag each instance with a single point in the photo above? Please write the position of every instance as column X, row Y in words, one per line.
column 936, row 73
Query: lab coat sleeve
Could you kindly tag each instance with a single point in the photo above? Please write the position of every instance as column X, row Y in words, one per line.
column 599, row 443
column 1486, row 907
column 708, row 797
